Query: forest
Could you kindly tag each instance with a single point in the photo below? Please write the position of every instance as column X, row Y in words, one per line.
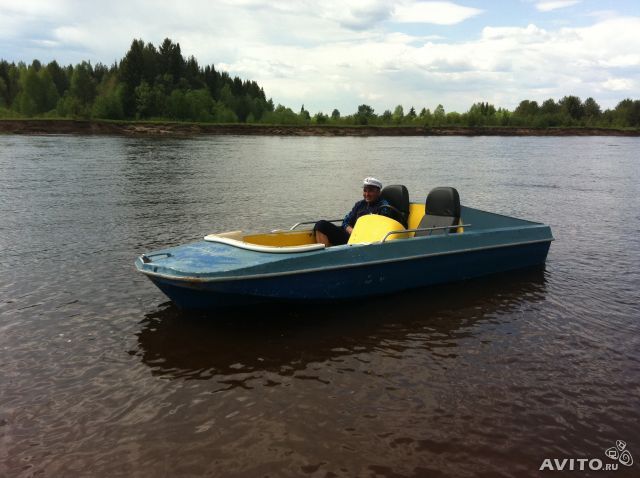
column 160, row 84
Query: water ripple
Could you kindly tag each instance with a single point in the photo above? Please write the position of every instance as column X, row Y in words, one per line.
column 102, row 376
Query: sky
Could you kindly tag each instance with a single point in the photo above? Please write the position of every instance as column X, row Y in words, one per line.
column 344, row 53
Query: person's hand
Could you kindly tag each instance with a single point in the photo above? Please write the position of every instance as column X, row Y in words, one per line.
column 349, row 230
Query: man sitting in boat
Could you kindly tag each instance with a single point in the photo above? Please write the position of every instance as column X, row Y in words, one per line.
column 331, row 235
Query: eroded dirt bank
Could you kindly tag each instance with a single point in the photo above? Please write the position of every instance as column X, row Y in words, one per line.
column 193, row 129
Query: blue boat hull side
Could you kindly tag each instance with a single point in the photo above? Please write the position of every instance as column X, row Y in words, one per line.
column 352, row 282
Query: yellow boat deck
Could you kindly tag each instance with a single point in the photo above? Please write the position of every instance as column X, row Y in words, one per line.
column 369, row 229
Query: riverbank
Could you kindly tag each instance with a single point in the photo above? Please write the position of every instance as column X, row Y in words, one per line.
column 139, row 128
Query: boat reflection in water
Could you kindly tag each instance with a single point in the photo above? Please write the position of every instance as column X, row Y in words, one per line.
column 284, row 339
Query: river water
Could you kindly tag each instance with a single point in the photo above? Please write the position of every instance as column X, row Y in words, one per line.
column 101, row 376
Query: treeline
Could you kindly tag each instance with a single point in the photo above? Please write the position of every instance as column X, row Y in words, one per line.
column 569, row 111
column 147, row 83
column 159, row 83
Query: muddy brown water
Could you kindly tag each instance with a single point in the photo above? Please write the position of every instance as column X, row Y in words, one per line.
column 101, row 376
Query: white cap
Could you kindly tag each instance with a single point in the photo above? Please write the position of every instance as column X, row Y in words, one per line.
column 372, row 182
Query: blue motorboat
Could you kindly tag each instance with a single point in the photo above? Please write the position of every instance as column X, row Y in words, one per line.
column 423, row 244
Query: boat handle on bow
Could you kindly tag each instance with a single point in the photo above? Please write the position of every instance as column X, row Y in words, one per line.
column 146, row 258
column 430, row 229
column 311, row 222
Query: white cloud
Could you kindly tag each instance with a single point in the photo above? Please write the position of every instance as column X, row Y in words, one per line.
column 338, row 54
column 530, row 34
column 45, row 43
column 602, row 15
column 356, row 15
column 34, row 7
column 618, row 84
column 555, row 4
column 71, row 34
column 439, row 13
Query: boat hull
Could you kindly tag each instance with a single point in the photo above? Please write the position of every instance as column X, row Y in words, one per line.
column 351, row 281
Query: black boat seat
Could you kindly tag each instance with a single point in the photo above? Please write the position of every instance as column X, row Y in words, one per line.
column 398, row 196
column 442, row 208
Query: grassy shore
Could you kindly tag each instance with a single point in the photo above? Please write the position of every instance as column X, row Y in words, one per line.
column 160, row 128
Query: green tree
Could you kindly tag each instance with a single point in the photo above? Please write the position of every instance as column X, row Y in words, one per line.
column 527, row 108
column 335, row 114
column 212, row 80
column 411, row 115
column 364, row 115
column 25, row 102
column 3, row 92
column 10, row 74
column 192, row 74
column 222, row 114
column 145, row 100
column 144, row 83
column 150, row 101
column 425, row 116
column 550, row 114
column 69, row 106
column 572, row 106
column 131, row 74
column 51, row 95
column 4, row 77
column 200, row 105
column 83, row 86
column 550, row 107
column 226, row 96
column 59, row 77
column 304, row 115
column 99, row 72
column 481, row 114
column 503, row 117
column 108, row 103
column 177, row 105
column 627, row 113
column 171, row 61
column 453, row 118
column 13, row 83
column 439, row 116
column 150, row 63
column 592, row 111
column 78, row 100
column 320, row 118
column 281, row 115
column 38, row 93
column 257, row 107
column 398, row 114
column 474, row 118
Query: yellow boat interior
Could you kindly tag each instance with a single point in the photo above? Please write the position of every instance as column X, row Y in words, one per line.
column 437, row 215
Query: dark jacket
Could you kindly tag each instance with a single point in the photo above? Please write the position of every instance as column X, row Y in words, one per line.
column 362, row 208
